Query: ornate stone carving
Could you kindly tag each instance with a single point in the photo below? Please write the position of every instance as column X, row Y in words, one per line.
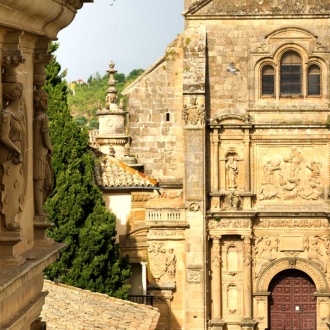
column 12, row 148
column 229, row 223
column 265, row 248
column 215, row 253
column 166, row 233
column 304, row 265
column 194, row 207
column 194, row 113
column 193, row 275
column 315, row 191
column 162, row 263
column 293, row 223
column 42, row 152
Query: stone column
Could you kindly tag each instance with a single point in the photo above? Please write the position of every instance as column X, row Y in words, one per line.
column 247, row 323
column 215, row 160
column 144, row 277
column 216, row 282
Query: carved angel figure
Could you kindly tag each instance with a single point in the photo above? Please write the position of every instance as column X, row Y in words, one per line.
column 264, row 254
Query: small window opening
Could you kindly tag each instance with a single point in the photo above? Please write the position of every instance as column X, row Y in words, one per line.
column 268, row 80
column 314, row 80
column 167, row 116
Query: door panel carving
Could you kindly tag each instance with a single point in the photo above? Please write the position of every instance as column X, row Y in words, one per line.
column 292, row 302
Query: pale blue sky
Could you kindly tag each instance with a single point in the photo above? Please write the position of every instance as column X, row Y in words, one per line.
column 132, row 33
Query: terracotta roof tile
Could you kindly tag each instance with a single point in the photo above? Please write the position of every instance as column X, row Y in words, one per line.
column 68, row 307
column 111, row 172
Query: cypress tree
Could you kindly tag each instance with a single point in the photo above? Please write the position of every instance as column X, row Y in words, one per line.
column 91, row 259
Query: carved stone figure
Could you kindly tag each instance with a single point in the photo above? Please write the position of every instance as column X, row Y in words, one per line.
column 269, row 170
column 264, row 253
column 290, row 188
column 314, row 252
column 12, row 147
column 295, row 159
column 315, row 190
column 232, row 172
column 42, row 152
column 170, row 261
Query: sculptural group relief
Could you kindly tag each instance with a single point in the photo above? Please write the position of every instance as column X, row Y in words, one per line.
column 296, row 173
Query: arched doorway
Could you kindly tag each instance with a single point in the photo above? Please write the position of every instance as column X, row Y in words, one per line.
column 292, row 304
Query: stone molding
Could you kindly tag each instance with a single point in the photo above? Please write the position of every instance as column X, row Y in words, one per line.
column 46, row 17
column 308, row 267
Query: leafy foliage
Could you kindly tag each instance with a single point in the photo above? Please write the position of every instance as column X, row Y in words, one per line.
column 91, row 259
column 86, row 97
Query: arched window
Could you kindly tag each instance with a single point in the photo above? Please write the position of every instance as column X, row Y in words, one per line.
column 268, row 80
column 291, row 74
column 314, row 80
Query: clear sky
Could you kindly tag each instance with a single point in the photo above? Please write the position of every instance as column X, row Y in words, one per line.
column 132, row 33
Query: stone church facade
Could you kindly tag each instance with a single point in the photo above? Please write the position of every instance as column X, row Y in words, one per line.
column 233, row 123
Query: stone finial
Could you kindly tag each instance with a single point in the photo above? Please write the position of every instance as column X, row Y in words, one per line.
column 112, row 98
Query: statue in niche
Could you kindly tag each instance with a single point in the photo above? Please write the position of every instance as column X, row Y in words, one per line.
column 315, row 190
column 42, row 152
column 295, row 159
column 194, row 113
column 232, row 172
column 12, row 148
column 264, row 251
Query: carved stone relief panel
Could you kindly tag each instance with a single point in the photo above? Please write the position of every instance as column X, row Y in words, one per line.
column 162, row 264
column 291, row 174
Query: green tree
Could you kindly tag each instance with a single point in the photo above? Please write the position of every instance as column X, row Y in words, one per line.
column 91, row 259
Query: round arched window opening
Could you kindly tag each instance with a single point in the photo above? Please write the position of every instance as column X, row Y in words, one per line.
column 314, row 80
column 268, row 81
column 291, row 74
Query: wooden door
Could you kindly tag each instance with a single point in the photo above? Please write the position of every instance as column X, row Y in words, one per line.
column 292, row 304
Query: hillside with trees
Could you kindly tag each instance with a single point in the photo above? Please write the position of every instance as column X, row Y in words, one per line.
column 91, row 259
column 85, row 96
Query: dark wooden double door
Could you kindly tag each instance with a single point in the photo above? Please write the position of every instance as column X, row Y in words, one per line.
column 292, row 304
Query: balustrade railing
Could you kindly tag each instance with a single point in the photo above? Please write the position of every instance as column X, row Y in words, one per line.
column 142, row 299
column 165, row 214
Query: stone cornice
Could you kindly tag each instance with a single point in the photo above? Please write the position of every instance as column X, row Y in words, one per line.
column 41, row 17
